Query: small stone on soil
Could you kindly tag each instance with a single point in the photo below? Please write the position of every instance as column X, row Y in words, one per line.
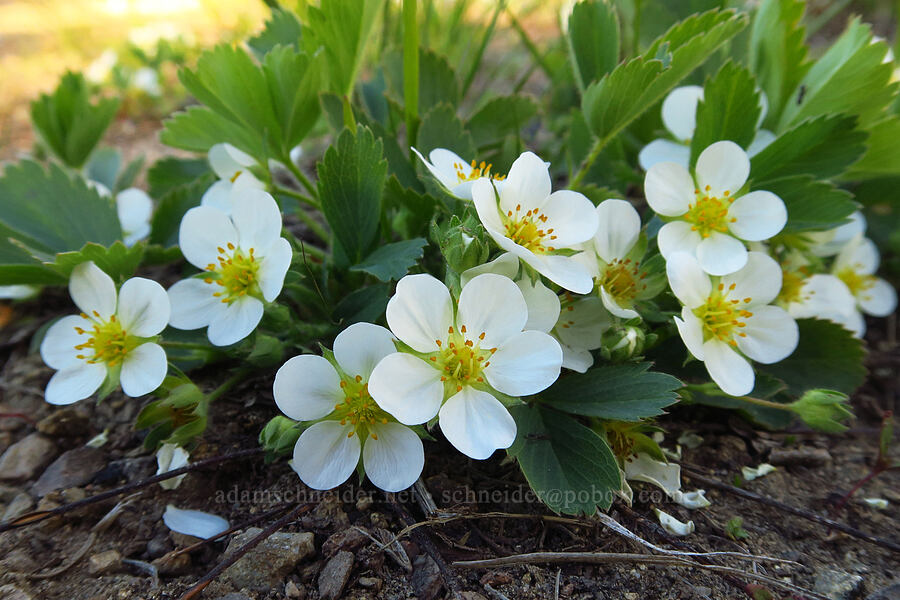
column 104, row 563
column 19, row 505
column 169, row 565
column 64, row 422
column 292, row 591
column 348, row 539
column 26, row 457
column 335, row 574
column 837, row 585
column 11, row 592
column 891, row 592
column 426, row 578
column 73, row 468
column 268, row 563
column 810, row 457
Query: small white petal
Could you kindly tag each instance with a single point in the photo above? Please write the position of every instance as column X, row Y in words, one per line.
column 612, row 305
column 758, row 216
column 669, row 189
column 273, row 268
column 543, row 305
column 307, row 388
column 394, row 461
column 565, row 271
column 442, row 165
column 723, row 166
column 192, row 304
column 143, row 369
column 880, row 300
column 168, row 458
column 759, row 279
column 218, row 196
column 582, row 324
column 659, row 151
column 143, row 308
column 326, row 454
column 476, row 423
column 92, row 290
column 75, row 383
column 689, row 283
column 690, row 328
column 664, row 475
column 751, row 473
column 256, row 217
column 860, row 254
column 485, row 199
column 407, row 387
column 879, row 503
column 679, row 111
column 677, row 236
column 221, row 162
column 507, row 264
column 58, row 347
column 361, row 346
column 203, row 230
column 194, row 522
column 576, row 359
column 771, row 335
column 571, row 216
column 829, row 243
column 619, row 226
column 134, row 208
column 763, row 138
column 236, row 322
column 493, row 305
column 420, row 312
column 823, row 297
column 528, row 363
column 673, row 525
column 18, row 292
column 528, row 183
column 731, row 371
column 721, row 254
column 239, row 156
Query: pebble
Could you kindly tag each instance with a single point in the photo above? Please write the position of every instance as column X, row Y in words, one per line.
column 234, row 596
column 374, row 583
column 292, row 591
column 172, row 565
column 5, row 440
column 104, row 563
column 65, row 422
column 26, row 457
column 810, row 457
column 268, row 563
column 837, row 585
column 19, row 505
column 8, row 492
column 364, row 503
column 334, row 575
column 73, row 468
column 159, row 545
column 891, row 592
column 11, row 592
column 347, row 539
column 472, row 596
column 426, row 578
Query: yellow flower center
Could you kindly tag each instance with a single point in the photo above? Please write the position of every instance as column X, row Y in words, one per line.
column 855, row 281
column 709, row 214
column 237, row 274
column 108, row 342
column 526, row 230
column 476, row 171
column 722, row 316
column 358, row 408
column 622, row 280
column 461, row 359
column 792, row 286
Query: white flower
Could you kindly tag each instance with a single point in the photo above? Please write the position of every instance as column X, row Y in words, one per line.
column 168, row 458
column 830, row 242
column 679, row 115
column 461, row 357
column 309, row 388
column 194, row 522
column 146, row 79
column 855, row 265
column 18, row 292
column 534, row 224
column 232, row 167
column 819, row 296
column 673, row 525
column 710, row 218
column 134, row 209
column 457, row 175
column 723, row 322
column 245, row 262
column 113, row 337
column 751, row 473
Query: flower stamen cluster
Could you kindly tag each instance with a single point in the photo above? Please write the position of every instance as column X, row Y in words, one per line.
column 709, row 213
column 721, row 316
column 462, row 360
column 358, row 408
column 526, row 231
column 476, row 171
column 236, row 273
column 109, row 341
column 622, row 279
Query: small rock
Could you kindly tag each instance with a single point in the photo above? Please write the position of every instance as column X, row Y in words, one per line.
column 292, row 591
column 426, row 578
column 73, row 468
column 891, row 592
column 379, row 520
column 17, row 560
column 104, row 563
column 348, row 539
column 65, row 422
column 810, row 457
column 19, row 505
column 11, row 592
column 158, row 546
column 6, row 440
column 837, row 585
column 169, row 564
column 496, row 578
column 364, row 503
column 26, row 457
column 234, row 596
column 371, row 583
column 12, row 423
column 8, row 492
column 269, row 562
column 631, row 595
column 472, row 596
column 334, row 575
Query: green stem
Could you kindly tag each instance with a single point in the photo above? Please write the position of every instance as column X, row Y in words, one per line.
column 828, row 14
column 489, row 32
column 226, row 385
column 317, row 228
column 410, row 70
column 588, row 162
column 295, row 194
column 313, row 250
column 529, row 45
column 711, row 389
column 304, row 181
column 636, row 28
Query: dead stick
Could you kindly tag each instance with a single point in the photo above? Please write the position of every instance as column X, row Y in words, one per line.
column 36, row 517
column 806, row 514
column 198, row 587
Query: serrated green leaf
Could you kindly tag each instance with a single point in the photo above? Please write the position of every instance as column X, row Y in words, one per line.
column 18, row 266
column 363, row 305
column 168, row 173
column 437, row 80
column 103, row 166
column 729, row 109
column 294, row 81
column 169, row 211
column 828, row 356
column 392, row 261
column 117, row 261
column 570, row 468
column 593, row 40
column 198, row 129
column 881, row 156
column 624, row 392
column 811, row 205
column 282, row 28
column 441, row 128
column 500, row 117
column 414, row 210
column 351, row 184
column 127, row 175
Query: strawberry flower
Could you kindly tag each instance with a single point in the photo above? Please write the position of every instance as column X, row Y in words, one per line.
column 455, row 174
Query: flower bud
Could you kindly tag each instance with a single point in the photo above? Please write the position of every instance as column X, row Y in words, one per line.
column 823, row 410
column 623, row 342
column 462, row 243
column 279, row 436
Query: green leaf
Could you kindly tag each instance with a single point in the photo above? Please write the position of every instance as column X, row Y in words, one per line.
column 68, row 122
column 766, row 388
column 777, row 50
column 634, row 87
column 171, row 208
column 811, row 205
column 729, row 109
column 282, row 28
column 104, row 166
column 294, row 80
column 414, row 210
column 363, row 305
column 570, row 468
column 127, row 175
column 441, row 128
column 351, row 183
column 117, row 261
column 881, row 157
column 828, row 356
column 823, row 410
column 392, row 261
column 593, row 38
column 624, row 392
column 168, row 173
column 823, row 147
column 500, row 117
column 18, row 266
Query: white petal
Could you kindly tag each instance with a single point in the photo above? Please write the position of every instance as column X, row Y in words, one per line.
column 168, row 458
column 721, row 254
column 619, row 226
column 659, row 151
column 92, row 290
column 18, row 291
column 75, row 383
column 880, row 300
column 565, row 271
column 613, row 306
column 236, row 322
column 218, row 196
column 758, row 216
column 420, row 312
column 485, row 199
column 723, row 166
column 771, row 335
column 690, row 327
column 860, row 254
column 134, row 208
column 239, row 156
column 223, row 165
column 326, row 455
column 407, row 387
column 823, row 297
column 493, row 305
column 728, row 369
column 463, row 190
column 394, row 461
column 307, row 388
column 144, row 369
column 572, row 217
column 203, row 230
column 760, row 279
column 543, row 304
column 476, row 423
column 679, row 111
column 143, row 308
column 692, row 500
column 273, row 267
column 669, row 189
column 441, row 166
column 673, row 525
column 361, row 346
column 528, row 183
column 58, row 347
column 688, row 281
column 528, row 363
column 193, row 304
column 677, row 236
column 665, row 476
column 256, row 217
column 751, row 473
column 194, row 522
column 763, row 138
column 576, row 359
column 507, row 264
column 582, row 323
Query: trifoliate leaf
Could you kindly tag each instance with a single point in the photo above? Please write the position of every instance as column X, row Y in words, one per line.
column 392, row 261
column 282, row 28
column 593, row 40
column 103, row 166
column 729, row 109
column 811, row 205
column 117, row 261
column 500, row 117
